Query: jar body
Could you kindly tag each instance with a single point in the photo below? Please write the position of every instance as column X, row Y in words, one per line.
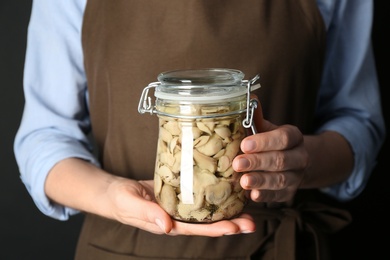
column 203, row 116
column 194, row 180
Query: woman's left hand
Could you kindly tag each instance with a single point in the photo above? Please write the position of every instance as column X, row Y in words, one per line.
column 273, row 161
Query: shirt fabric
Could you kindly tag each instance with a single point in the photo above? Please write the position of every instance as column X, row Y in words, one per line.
column 55, row 125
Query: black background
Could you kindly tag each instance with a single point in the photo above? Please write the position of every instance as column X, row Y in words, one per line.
column 25, row 233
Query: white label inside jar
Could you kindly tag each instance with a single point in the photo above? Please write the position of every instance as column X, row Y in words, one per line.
column 185, row 110
column 186, row 168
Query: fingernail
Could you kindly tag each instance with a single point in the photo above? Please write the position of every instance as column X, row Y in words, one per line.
column 243, row 163
column 249, row 146
column 160, row 224
column 229, row 234
column 248, row 231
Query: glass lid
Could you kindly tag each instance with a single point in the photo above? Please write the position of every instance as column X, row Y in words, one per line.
column 205, row 84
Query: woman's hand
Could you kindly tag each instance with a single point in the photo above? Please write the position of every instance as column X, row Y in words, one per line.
column 80, row 185
column 274, row 161
column 133, row 204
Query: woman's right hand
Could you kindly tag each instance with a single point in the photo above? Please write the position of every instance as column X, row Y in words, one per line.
column 133, row 204
column 81, row 185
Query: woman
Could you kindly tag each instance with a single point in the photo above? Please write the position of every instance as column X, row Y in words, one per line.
column 320, row 123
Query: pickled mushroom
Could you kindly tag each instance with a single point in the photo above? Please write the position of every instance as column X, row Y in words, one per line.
column 230, row 208
column 158, row 183
column 223, row 132
column 212, row 146
column 186, row 212
column 196, row 132
column 165, row 135
column 219, row 154
column 176, row 166
column 168, row 199
column 203, row 178
column 172, row 127
column 226, row 174
column 223, row 163
column 205, row 162
column 168, row 176
column 201, row 140
column 205, row 127
column 173, row 145
column 218, row 193
column 232, row 149
column 167, row 158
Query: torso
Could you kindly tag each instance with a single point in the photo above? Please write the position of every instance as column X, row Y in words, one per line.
column 128, row 43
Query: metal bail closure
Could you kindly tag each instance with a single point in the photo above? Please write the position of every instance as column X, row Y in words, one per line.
column 145, row 103
column 251, row 104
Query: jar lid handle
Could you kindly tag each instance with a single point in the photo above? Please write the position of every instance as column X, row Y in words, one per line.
column 251, row 104
column 145, row 103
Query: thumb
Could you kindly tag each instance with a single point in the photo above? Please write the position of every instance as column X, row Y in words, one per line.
column 154, row 213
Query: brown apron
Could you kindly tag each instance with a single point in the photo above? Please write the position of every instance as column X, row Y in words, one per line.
column 127, row 43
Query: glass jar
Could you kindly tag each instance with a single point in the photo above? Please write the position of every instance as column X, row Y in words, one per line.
column 203, row 118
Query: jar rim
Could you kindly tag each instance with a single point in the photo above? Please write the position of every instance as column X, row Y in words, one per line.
column 200, row 84
column 200, row 77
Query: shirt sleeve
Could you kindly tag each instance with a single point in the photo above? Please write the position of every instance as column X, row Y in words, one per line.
column 349, row 98
column 55, row 122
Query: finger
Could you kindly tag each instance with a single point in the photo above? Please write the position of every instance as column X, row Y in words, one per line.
column 272, row 196
column 284, row 137
column 150, row 217
column 212, row 230
column 241, row 224
column 274, row 161
column 270, row 180
column 245, row 225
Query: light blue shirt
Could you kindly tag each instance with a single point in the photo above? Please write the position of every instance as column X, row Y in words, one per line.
column 55, row 122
